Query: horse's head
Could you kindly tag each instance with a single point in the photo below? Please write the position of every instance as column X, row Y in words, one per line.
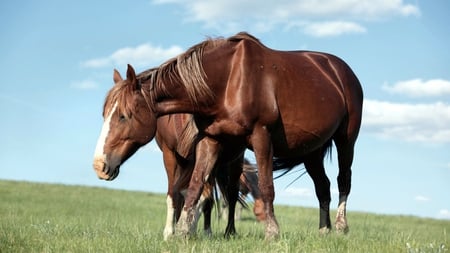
column 128, row 124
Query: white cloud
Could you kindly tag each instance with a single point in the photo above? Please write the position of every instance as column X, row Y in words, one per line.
column 420, row 88
column 422, row 198
column 428, row 123
column 298, row 192
column 145, row 55
column 85, row 85
column 444, row 214
column 236, row 14
column 332, row 28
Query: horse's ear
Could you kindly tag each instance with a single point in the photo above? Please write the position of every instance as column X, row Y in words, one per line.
column 131, row 76
column 116, row 76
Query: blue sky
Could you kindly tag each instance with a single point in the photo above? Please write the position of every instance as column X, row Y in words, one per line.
column 57, row 60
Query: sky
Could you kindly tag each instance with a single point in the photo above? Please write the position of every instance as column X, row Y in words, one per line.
column 57, row 60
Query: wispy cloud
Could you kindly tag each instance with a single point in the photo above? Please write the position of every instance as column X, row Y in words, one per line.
column 426, row 123
column 145, row 55
column 444, row 214
column 344, row 16
column 421, row 198
column 332, row 28
column 420, row 88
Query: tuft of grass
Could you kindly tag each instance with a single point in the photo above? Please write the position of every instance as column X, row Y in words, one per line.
column 56, row 218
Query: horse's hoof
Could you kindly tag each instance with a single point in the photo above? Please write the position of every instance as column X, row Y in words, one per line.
column 271, row 237
column 208, row 232
column 324, row 231
column 167, row 236
column 272, row 232
column 272, row 229
column 341, row 225
column 342, row 228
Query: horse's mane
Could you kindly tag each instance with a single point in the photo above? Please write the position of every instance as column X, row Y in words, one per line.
column 187, row 138
column 188, row 70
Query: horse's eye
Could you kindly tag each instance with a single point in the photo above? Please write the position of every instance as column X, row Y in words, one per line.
column 122, row 118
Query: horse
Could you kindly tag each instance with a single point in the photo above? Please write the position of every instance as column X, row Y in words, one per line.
column 175, row 136
column 291, row 105
column 171, row 129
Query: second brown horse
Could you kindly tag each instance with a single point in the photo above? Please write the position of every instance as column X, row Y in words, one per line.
column 176, row 137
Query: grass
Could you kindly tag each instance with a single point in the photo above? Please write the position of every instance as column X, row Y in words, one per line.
column 56, row 218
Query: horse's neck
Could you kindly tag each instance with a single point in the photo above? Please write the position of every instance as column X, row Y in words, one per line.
column 174, row 106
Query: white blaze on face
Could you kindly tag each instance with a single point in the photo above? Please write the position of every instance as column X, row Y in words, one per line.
column 99, row 152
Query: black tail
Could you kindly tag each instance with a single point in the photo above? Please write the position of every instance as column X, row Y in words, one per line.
column 288, row 163
column 282, row 163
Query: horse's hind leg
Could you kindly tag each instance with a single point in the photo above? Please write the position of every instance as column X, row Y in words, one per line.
column 345, row 158
column 228, row 180
column 314, row 167
column 234, row 172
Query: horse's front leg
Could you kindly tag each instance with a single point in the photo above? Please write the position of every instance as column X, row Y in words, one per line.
column 171, row 166
column 207, row 151
column 263, row 149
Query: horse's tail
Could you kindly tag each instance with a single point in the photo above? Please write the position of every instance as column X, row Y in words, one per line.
column 223, row 193
column 288, row 163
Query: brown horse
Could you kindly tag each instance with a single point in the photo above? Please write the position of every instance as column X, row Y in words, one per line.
column 176, row 136
column 171, row 129
column 287, row 104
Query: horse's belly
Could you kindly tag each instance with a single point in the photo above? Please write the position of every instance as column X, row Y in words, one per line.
column 301, row 139
column 307, row 121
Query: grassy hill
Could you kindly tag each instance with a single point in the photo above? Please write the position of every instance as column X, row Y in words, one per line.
column 56, row 218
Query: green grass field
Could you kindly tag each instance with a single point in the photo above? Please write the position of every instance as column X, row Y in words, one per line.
column 56, row 218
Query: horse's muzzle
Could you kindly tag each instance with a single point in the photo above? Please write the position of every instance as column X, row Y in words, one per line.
column 105, row 170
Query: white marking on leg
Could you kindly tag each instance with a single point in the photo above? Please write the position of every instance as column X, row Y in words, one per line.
column 99, row 149
column 341, row 212
column 341, row 215
column 183, row 226
column 170, row 219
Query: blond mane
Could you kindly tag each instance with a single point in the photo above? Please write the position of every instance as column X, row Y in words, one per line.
column 187, row 70
column 186, row 141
